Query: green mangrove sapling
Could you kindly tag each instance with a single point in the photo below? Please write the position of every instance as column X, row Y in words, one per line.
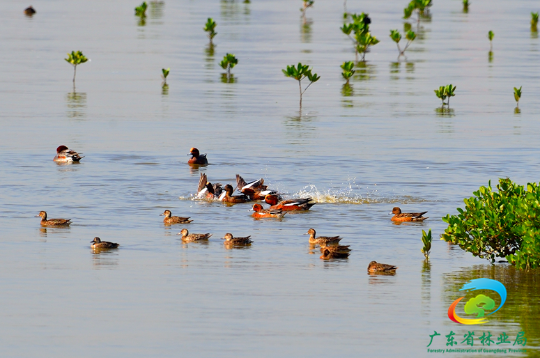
column 361, row 38
column 228, row 62
column 299, row 73
column 534, row 21
column 210, row 27
column 396, row 36
column 517, row 95
column 348, row 71
column 75, row 58
column 165, row 73
column 426, row 240
column 306, row 5
column 491, row 35
column 141, row 10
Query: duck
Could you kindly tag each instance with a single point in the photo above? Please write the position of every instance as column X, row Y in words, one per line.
column 255, row 190
column 98, row 244
column 170, row 220
column 231, row 240
column 399, row 216
column 227, row 196
column 374, row 266
column 335, row 252
column 208, row 191
column 260, row 212
column 322, row 240
column 187, row 237
column 66, row 155
column 29, row 11
column 52, row 222
column 196, row 157
column 300, row 204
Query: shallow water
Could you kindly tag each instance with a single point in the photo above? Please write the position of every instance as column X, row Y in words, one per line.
column 357, row 153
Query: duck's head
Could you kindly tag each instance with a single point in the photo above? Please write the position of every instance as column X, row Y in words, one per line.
column 227, row 237
column 42, row 214
column 184, row 232
column 396, row 211
column 61, row 148
column 167, row 213
column 194, row 152
column 96, row 240
column 257, row 207
column 325, row 253
column 271, row 199
column 310, row 232
column 228, row 188
column 372, row 263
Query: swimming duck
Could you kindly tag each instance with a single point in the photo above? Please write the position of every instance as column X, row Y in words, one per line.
column 208, row 191
column 66, row 155
column 227, row 196
column 377, row 267
column 187, row 237
column 231, row 240
column 197, row 158
column 292, row 204
column 260, row 212
column 98, row 244
column 52, row 222
column 399, row 216
column 169, row 220
column 255, row 190
column 335, row 252
column 29, row 11
column 322, row 240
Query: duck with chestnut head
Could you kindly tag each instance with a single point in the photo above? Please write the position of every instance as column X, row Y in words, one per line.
column 197, row 158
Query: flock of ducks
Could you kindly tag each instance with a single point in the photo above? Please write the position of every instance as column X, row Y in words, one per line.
column 249, row 191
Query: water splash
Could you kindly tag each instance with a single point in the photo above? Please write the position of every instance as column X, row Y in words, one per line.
column 348, row 193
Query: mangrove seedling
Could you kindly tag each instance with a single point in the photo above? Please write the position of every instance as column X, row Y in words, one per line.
column 348, row 71
column 396, row 36
column 299, row 73
column 450, row 92
column 165, row 73
column 229, row 61
column 441, row 93
column 307, row 4
column 491, row 35
column 75, row 58
column 210, row 27
column 420, row 6
column 534, row 21
column 466, row 6
column 517, row 95
column 426, row 240
column 361, row 38
column 141, row 10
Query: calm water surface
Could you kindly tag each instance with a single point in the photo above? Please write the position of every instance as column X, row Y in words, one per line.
column 359, row 151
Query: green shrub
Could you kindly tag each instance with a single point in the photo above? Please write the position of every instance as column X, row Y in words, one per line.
column 503, row 223
column 426, row 240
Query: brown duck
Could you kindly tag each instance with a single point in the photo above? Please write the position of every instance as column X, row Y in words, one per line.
column 335, row 252
column 170, row 220
column 52, row 222
column 98, row 244
column 231, row 240
column 187, row 237
column 322, row 240
column 227, row 196
column 399, row 216
column 374, row 266
column 255, row 190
